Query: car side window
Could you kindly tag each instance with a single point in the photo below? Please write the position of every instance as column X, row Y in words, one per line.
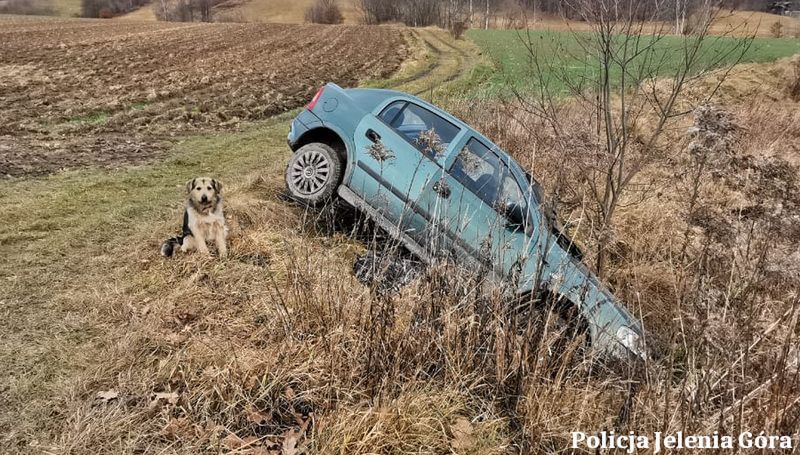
column 390, row 112
column 511, row 194
column 428, row 132
column 479, row 170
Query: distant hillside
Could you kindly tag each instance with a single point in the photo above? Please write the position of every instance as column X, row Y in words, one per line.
column 279, row 11
column 145, row 13
column 67, row 8
column 746, row 22
column 293, row 11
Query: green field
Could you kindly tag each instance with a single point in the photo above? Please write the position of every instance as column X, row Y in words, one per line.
column 563, row 59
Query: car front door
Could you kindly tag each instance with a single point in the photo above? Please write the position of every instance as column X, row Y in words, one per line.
column 487, row 215
column 517, row 227
column 469, row 219
column 396, row 162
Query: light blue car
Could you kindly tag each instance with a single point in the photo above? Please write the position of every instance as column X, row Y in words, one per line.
column 445, row 191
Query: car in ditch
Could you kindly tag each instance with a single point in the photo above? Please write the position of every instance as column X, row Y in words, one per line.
column 446, row 191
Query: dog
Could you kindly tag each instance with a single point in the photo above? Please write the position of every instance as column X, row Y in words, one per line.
column 203, row 220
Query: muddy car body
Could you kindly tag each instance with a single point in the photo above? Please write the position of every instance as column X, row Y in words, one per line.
column 445, row 190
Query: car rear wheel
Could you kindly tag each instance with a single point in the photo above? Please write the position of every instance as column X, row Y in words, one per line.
column 313, row 173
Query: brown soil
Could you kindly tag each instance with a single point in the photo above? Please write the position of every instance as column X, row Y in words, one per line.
column 75, row 93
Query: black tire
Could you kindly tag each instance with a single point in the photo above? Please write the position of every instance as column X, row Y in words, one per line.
column 313, row 174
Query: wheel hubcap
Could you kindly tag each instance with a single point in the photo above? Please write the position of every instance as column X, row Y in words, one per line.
column 310, row 172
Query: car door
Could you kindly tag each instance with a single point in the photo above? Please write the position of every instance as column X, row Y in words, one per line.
column 470, row 220
column 396, row 162
column 516, row 230
column 485, row 192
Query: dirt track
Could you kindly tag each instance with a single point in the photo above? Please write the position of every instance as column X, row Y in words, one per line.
column 75, row 92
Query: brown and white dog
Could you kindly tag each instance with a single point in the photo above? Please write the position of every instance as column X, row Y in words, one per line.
column 203, row 220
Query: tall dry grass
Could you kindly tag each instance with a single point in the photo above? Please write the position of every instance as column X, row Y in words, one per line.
column 704, row 248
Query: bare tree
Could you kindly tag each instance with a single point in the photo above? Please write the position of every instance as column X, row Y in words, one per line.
column 634, row 74
column 184, row 10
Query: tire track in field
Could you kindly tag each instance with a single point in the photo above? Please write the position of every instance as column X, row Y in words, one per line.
column 451, row 60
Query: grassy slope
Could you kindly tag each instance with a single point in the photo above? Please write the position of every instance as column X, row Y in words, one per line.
column 62, row 245
column 288, row 11
column 67, row 8
column 561, row 52
column 274, row 11
column 81, row 252
column 145, row 13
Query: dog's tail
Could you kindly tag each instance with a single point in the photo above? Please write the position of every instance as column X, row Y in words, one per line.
column 168, row 247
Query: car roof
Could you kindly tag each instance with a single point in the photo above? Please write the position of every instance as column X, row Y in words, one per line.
column 370, row 98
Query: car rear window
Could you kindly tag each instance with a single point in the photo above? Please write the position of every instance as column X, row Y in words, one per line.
column 427, row 131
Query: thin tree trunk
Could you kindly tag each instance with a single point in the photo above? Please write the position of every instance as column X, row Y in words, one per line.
column 471, row 13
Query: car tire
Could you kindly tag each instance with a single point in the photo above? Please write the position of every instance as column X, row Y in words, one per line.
column 313, row 174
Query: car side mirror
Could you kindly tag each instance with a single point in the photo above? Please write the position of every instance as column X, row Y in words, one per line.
column 515, row 216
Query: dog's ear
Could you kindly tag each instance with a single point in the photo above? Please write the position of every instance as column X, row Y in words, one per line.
column 189, row 186
column 217, row 185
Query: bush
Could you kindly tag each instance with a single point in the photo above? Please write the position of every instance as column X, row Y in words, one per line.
column 457, row 29
column 793, row 87
column 776, row 29
column 184, row 10
column 324, row 12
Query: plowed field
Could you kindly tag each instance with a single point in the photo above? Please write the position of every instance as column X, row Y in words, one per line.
column 76, row 92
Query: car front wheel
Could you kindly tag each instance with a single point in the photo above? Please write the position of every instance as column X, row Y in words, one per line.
column 313, row 173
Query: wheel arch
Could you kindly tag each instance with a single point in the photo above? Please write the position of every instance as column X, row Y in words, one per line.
column 332, row 138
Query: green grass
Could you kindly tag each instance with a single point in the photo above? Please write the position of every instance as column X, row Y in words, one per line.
column 563, row 60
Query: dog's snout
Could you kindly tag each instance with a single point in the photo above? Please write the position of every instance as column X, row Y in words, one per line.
column 204, row 198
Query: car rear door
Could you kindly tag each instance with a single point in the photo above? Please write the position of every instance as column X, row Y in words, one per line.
column 396, row 152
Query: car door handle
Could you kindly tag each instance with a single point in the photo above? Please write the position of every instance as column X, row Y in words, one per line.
column 373, row 136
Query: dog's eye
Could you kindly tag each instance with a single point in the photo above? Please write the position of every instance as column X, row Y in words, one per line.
column 198, row 188
column 209, row 188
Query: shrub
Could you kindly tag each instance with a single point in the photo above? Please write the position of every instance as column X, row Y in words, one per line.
column 776, row 29
column 793, row 87
column 324, row 12
column 184, row 10
column 457, row 29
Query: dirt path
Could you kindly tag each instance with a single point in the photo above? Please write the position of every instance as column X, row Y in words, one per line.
column 446, row 60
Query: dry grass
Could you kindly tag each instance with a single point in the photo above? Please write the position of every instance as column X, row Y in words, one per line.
column 288, row 11
column 727, row 23
column 67, row 8
column 714, row 276
column 144, row 13
column 793, row 80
